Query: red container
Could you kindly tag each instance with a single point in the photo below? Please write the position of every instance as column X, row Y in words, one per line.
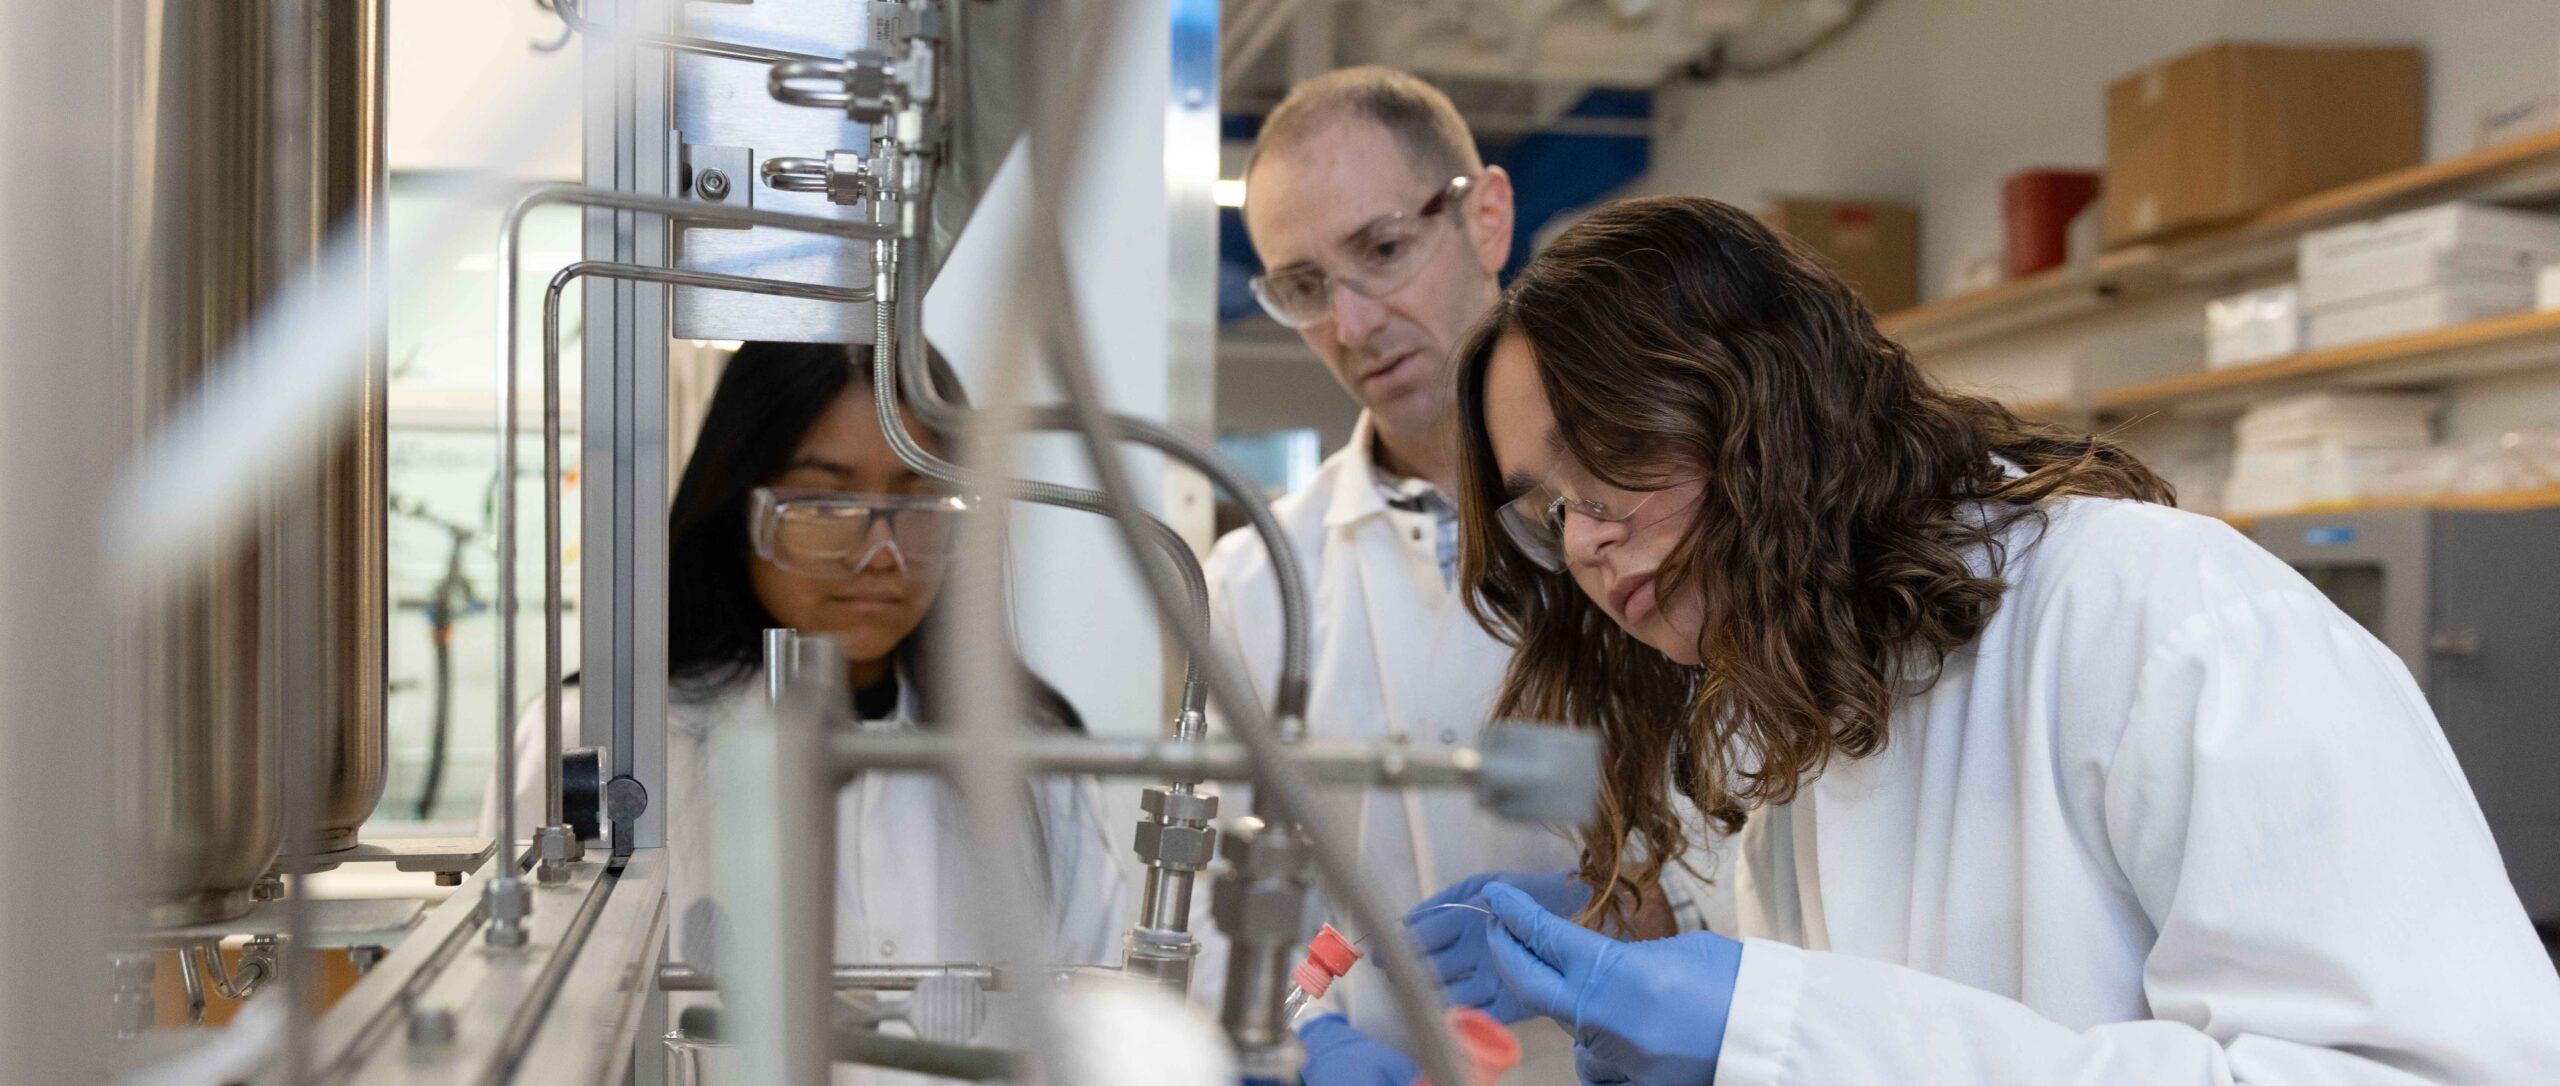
column 2038, row 206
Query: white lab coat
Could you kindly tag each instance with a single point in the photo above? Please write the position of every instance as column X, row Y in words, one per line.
column 902, row 842
column 2173, row 819
column 1393, row 653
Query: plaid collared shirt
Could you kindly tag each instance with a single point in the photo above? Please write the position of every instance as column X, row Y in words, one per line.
column 1414, row 495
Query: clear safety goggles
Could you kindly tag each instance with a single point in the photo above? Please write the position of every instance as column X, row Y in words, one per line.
column 1535, row 520
column 830, row 533
column 1376, row 261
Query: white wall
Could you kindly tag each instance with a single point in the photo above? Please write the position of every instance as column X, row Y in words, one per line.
column 450, row 65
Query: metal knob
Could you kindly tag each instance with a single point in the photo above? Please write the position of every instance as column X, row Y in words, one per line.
column 431, row 1026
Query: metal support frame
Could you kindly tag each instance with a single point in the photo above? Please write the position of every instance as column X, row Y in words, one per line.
column 622, row 641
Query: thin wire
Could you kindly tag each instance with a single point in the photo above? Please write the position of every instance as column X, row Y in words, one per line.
column 1434, row 909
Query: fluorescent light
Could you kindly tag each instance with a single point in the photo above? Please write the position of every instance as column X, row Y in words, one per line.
column 1227, row 191
column 718, row 344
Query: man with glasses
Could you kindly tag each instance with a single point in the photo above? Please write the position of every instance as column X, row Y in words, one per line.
column 1382, row 232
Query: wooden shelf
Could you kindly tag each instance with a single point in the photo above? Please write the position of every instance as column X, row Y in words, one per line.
column 2503, row 343
column 2522, row 170
column 2540, row 498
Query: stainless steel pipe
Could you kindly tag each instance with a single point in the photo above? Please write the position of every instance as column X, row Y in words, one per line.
column 1377, row 765
column 209, row 682
column 679, row 977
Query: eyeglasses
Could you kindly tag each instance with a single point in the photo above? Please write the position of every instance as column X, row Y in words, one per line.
column 1381, row 258
column 822, row 533
column 1535, row 520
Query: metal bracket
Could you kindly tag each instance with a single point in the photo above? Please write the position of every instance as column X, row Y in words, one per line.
column 719, row 175
column 460, row 855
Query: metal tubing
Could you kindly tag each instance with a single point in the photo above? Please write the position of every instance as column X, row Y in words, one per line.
column 1011, row 902
column 784, row 83
column 864, row 977
column 553, row 605
column 1289, row 695
column 1378, row 765
column 507, row 891
column 569, row 13
column 868, row 1047
column 1066, row 105
column 1168, row 898
column 1160, row 538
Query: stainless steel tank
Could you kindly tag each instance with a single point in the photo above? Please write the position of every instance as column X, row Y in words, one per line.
column 233, row 196
column 356, row 580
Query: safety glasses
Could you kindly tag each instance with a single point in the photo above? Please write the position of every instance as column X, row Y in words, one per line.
column 827, row 533
column 1377, row 261
column 1535, row 520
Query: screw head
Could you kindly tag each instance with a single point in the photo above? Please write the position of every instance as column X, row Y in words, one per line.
column 713, row 185
column 431, row 1026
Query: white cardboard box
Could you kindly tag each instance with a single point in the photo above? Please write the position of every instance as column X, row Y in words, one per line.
column 2340, row 417
column 2458, row 244
column 2253, row 327
column 2412, row 312
column 2284, row 480
column 2546, row 296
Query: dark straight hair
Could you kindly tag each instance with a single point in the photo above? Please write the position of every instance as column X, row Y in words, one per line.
column 769, row 396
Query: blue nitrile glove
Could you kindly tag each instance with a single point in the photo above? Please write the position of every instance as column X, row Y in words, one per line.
column 1338, row 1055
column 1453, row 939
column 1594, row 1071
column 1653, row 1010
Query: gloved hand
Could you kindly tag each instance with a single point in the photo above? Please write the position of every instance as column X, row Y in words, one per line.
column 1338, row 1055
column 1594, row 1071
column 1654, row 1010
column 1454, row 939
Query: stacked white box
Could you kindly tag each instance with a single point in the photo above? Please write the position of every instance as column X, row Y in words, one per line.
column 2413, row 312
column 2323, row 447
column 2421, row 270
column 2546, row 292
column 2253, row 327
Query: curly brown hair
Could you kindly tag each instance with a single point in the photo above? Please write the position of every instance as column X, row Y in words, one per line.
column 1849, row 536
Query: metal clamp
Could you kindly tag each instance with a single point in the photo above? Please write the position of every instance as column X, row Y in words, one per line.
column 507, row 902
column 555, row 848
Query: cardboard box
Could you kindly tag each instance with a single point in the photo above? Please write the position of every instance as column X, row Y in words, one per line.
column 2447, row 245
column 2233, row 129
column 2253, row 327
column 2416, row 311
column 1874, row 245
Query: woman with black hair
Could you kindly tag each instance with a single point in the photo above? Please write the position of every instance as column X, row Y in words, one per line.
column 795, row 512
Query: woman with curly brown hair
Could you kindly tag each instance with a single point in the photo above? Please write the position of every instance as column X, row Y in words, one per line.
column 2014, row 773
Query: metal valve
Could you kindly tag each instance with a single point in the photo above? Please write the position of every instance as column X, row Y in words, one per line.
column 868, row 86
column 842, row 175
